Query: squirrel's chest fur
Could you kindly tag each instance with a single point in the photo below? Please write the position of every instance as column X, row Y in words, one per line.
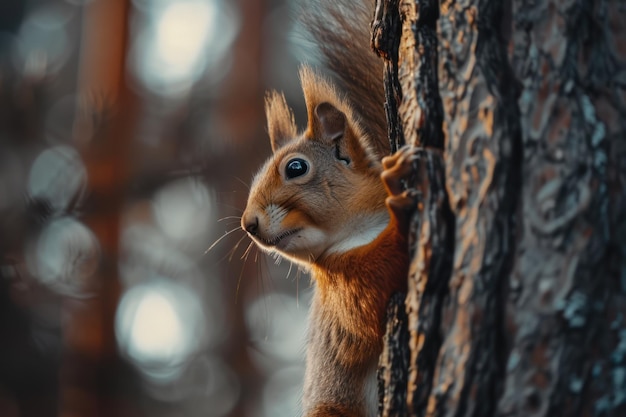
column 346, row 326
column 353, row 288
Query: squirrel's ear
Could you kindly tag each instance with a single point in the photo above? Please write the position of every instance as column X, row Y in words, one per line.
column 330, row 122
column 332, row 127
column 281, row 125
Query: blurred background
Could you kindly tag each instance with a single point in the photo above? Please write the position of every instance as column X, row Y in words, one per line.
column 129, row 132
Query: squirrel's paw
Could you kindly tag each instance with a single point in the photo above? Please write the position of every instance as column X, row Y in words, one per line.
column 397, row 168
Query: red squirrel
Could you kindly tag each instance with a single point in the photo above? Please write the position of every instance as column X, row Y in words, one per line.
column 325, row 201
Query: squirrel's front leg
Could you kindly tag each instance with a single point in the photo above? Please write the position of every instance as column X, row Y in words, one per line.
column 400, row 202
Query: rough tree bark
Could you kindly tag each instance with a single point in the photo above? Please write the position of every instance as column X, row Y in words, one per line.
column 516, row 302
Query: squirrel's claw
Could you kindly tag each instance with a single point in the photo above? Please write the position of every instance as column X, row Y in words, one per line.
column 397, row 168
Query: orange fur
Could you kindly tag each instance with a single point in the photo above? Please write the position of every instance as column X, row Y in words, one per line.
column 334, row 216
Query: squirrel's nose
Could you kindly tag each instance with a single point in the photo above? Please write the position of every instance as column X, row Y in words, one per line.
column 251, row 225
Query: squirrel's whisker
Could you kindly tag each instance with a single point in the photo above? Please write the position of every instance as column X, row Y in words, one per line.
column 245, row 184
column 246, row 253
column 234, row 249
column 238, row 218
column 222, row 237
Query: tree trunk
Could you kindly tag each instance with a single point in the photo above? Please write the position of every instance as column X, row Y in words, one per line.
column 516, row 291
column 90, row 368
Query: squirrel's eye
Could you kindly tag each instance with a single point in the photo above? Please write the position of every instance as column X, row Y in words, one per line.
column 296, row 168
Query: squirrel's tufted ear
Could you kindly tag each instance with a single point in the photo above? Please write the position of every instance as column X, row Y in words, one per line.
column 330, row 122
column 281, row 125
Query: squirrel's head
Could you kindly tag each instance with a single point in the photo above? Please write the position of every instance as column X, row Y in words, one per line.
column 320, row 193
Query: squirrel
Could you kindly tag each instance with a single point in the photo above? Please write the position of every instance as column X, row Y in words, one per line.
column 326, row 201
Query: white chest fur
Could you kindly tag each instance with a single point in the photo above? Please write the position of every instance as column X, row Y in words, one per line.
column 359, row 232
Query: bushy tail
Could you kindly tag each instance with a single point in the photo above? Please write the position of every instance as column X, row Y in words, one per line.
column 341, row 30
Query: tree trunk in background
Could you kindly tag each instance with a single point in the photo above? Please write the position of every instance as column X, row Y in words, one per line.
column 516, row 301
column 91, row 368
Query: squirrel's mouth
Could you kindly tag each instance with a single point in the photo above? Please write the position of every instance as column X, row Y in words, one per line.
column 279, row 241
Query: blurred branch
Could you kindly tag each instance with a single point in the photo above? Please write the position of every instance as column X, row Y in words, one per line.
column 90, row 350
